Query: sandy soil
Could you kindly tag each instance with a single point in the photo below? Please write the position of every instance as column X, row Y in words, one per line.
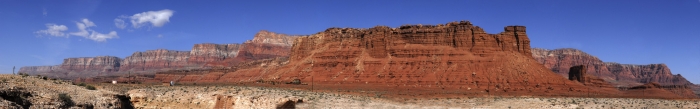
column 265, row 97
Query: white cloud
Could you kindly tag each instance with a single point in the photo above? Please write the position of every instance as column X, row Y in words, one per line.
column 88, row 23
column 53, row 30
column 85, row 31
column 82, row 30
column 160, row 35
column 119, row 23
column 99, row 37
column 155, row 18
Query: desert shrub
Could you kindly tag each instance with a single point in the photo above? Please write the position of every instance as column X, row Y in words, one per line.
column 89, row 87
column 81, row 84
column 43, row 77
column 66, row 99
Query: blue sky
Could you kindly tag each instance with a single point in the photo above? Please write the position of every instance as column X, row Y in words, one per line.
column 624, row 31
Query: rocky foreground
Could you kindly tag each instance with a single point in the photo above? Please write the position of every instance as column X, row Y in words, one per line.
column 24, row 92
column 260, row 97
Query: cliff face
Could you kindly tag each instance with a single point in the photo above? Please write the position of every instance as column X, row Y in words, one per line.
column 559, row 61
column 34, row 70
column 208, row 52
column 99, row 63
column 155, row 59
column 658, row 73
column 452, row 56
column 579, row 73
column 264, row 45
column 266, row 37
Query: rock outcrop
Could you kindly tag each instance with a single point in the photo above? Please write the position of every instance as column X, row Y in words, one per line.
column 99, row 63
column 209, row 52
column 414, row 59
column 266, row 37
column 155, row 60
column 38, row 70
column 559, row 60
column 579, row 73
column 33, row 92
column 452, row 56
column 264, row 45
column 659, row 73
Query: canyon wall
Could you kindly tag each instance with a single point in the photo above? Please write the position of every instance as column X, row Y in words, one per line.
column 456, row 56
column 99, row 63
column 452, row 56
column 155, row 59
column 208, row 52
column 264, row 45
column 34, row 70
column 559, row 61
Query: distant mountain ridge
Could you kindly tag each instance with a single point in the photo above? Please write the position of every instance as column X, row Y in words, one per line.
column 264, row 45
column 558, row 60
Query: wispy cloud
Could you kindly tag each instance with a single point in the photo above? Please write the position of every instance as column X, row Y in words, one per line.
column 99, row 37
column 83, row 28
column 53, row 30
column 85, row 31
column 154, row 18
column 160, row 36
column 119, row 23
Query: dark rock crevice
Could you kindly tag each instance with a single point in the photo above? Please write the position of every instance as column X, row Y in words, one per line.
column 17, row 96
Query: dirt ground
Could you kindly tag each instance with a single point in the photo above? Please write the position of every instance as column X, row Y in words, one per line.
column 247, row 96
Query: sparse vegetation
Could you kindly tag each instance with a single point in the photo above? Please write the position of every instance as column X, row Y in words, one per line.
column 66, row 100
column 89, row 87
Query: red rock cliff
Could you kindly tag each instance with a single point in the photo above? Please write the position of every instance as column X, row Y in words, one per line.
column 659, row 73
column 264, row 45
column 154, row 60
column 454, row 56
column 559, row 61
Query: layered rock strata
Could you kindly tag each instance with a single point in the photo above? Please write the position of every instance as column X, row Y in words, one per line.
column 452, row 56
column 578, row 73
column 99, row 63
column 264, row 45
column 34, row 70
column 208, row 52
column 155, row 59
column 559, row 60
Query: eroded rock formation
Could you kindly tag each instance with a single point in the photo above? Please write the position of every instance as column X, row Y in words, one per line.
column 99, row 63
column 452, row 56
column 208, row 52
column 155, row 59
column 578, row 73
column 264, row 45
column 559, row 60
column 34, row 70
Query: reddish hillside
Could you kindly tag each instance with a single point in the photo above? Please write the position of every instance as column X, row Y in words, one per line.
column 417, row 60
column 559, row 61
column 265, row 45
column 456, row 56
